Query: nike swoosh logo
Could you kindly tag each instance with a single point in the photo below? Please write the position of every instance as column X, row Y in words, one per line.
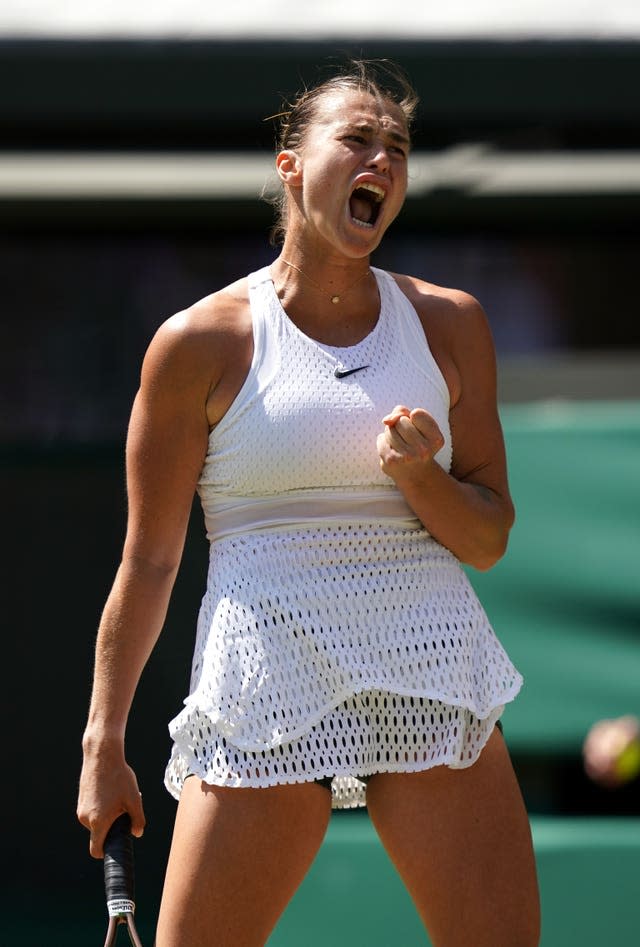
column 343, row 372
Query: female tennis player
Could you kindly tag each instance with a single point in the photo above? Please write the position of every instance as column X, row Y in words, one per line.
column 340, row 426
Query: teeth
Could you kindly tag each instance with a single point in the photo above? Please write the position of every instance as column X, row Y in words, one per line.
column 378, row 192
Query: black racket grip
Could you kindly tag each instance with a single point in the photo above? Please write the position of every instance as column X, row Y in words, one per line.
column 119, row 882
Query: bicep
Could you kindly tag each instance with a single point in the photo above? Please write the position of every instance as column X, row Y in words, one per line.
column 166, row 447
column 479, row 455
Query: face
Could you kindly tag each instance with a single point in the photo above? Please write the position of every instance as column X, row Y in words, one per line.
column 351, row 172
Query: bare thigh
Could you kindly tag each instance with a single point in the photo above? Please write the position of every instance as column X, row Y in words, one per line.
column 237, row 857
column 461, row 842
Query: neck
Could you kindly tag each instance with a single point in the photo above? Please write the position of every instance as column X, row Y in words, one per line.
column 308, row 301
column 332, row 277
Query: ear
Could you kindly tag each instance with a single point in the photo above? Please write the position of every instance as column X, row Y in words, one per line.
column 289, row 168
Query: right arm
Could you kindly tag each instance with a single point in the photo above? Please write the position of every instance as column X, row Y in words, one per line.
column 166, row 448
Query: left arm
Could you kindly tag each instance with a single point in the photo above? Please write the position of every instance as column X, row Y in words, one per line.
column 468, row 510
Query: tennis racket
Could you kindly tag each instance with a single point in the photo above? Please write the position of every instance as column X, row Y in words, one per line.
column 119, row 880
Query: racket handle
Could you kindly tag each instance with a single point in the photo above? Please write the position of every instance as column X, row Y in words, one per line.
column 118, row 867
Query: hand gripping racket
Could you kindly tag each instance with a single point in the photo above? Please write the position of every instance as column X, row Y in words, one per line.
column 119, row 880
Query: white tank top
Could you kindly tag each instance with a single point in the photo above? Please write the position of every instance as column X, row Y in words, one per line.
column 298, row 444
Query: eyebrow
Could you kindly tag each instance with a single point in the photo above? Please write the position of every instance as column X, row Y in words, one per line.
column 365, row 127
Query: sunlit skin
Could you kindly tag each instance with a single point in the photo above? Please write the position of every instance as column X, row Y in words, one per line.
column 238, row 855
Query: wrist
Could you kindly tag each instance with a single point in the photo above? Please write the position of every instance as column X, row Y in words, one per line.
column 101, row 738
column 416, row 476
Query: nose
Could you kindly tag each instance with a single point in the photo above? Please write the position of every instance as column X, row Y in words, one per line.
column 379, row 157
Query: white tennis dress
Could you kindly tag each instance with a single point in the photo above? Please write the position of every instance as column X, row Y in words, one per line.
column 336, row 637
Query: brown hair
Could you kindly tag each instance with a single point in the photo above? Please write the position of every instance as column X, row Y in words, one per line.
column 380, row 78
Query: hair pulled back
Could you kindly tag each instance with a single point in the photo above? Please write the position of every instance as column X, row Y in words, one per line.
column 379, row 78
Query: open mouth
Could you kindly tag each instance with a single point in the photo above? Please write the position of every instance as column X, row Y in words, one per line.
column 365, row 203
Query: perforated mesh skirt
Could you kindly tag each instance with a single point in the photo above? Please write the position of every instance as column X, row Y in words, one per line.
column 372, row 732
column 337, row 651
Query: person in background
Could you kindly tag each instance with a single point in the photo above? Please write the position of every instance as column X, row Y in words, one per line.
column 611, row 751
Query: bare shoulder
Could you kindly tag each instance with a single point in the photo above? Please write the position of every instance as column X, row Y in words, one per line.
column 194, row 346
column 441, row 307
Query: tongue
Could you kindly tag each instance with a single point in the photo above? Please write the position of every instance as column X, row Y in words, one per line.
column 361, row 208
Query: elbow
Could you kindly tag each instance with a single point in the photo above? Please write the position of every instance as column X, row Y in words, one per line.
column 158, row 569
column 488, row 553
column 486, row 558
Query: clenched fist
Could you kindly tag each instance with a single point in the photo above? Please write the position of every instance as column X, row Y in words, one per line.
column 409, row 441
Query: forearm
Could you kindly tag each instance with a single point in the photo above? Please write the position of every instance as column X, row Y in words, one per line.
column 131, row 623
column 130, row 626
column 470, row 519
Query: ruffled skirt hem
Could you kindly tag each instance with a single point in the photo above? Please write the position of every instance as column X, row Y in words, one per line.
column 371, row 732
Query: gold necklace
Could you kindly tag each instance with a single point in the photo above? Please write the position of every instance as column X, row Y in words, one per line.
column 336, row 297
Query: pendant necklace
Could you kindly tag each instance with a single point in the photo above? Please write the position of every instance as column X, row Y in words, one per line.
column 335, row 298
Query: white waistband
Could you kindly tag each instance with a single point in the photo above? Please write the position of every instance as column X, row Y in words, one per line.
column 234, row 515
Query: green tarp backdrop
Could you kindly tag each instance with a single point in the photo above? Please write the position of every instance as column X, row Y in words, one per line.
column 565, row 600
